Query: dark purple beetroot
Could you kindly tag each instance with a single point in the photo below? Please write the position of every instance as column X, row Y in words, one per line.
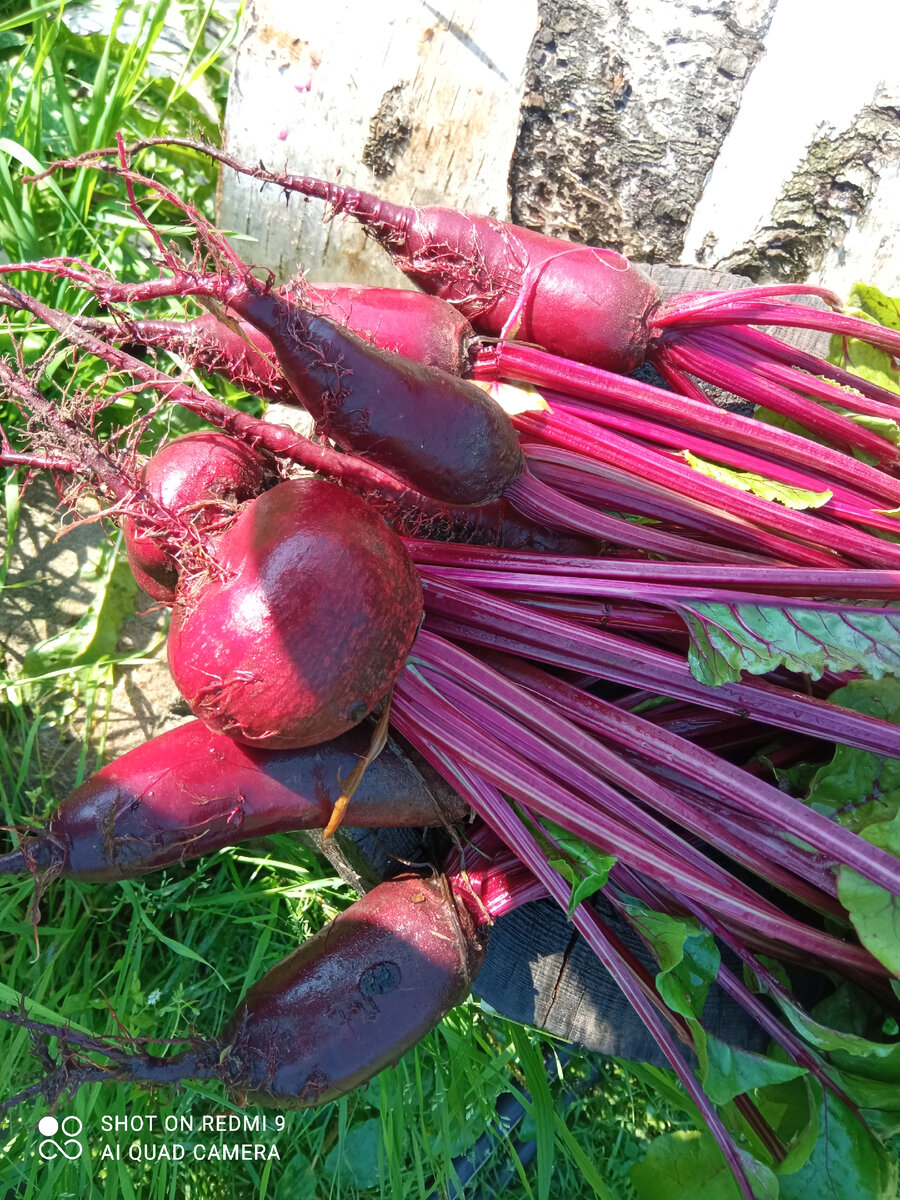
column 413, row 324
column 306, row 624
column 440, row 433
column 189, row 792
column 202, row 476
column 353, row 999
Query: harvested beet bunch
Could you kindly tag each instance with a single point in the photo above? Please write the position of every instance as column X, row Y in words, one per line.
column 299, row 611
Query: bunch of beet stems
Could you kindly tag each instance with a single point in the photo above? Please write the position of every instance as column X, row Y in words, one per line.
column 620, row 659
column 632, row 977
column 669, row 490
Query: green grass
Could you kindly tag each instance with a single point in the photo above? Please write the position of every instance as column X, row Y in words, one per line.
column 171, row 955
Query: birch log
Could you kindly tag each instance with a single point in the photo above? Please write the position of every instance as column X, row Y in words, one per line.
column 758, row 136
column 417, row 104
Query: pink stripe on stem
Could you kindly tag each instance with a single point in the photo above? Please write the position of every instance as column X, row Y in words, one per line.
column 791, row 316
column 720, row 343
column 725, row 453
column 571, row 433
column 789, row 581
column 543, row 504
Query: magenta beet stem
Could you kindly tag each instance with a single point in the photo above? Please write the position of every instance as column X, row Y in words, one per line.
column 845, row 504
column 528, row 365
column 545, row 505
column 690, row 353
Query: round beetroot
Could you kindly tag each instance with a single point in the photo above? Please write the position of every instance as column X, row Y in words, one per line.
column 306, row 624
column 202, row 476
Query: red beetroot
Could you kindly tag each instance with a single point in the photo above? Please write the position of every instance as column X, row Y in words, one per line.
column 348, row 1003
column 441, row 433
column 189, row 792
column 203, row 477
column 355, row 997
column 582, row 302
column 420, row 327
column 413, row 324
column 306, row 625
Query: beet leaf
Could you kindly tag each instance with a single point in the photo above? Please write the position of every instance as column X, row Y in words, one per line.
column 797, row 498
column 730, row 637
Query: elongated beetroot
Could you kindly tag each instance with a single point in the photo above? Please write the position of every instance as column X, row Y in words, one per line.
column 307, row 624
column 202, row 476
column 354, row 998
column 584, row 302
column 189, row 792
column 348, row 1003
column 441, row 433
column 418, row 326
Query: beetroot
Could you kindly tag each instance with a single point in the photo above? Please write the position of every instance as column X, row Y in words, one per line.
column 413, row 324
column 189, row 792
column 345, row 1005
column 441, row 433
column 355, row 997
column 306, row 624
column 420, row 327
column 203, row 477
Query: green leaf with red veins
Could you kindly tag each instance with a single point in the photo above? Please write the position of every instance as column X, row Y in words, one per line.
column 727, row 639
column 846, row 1163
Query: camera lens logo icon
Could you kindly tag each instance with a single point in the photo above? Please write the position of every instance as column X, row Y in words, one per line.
column 70, row 1128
